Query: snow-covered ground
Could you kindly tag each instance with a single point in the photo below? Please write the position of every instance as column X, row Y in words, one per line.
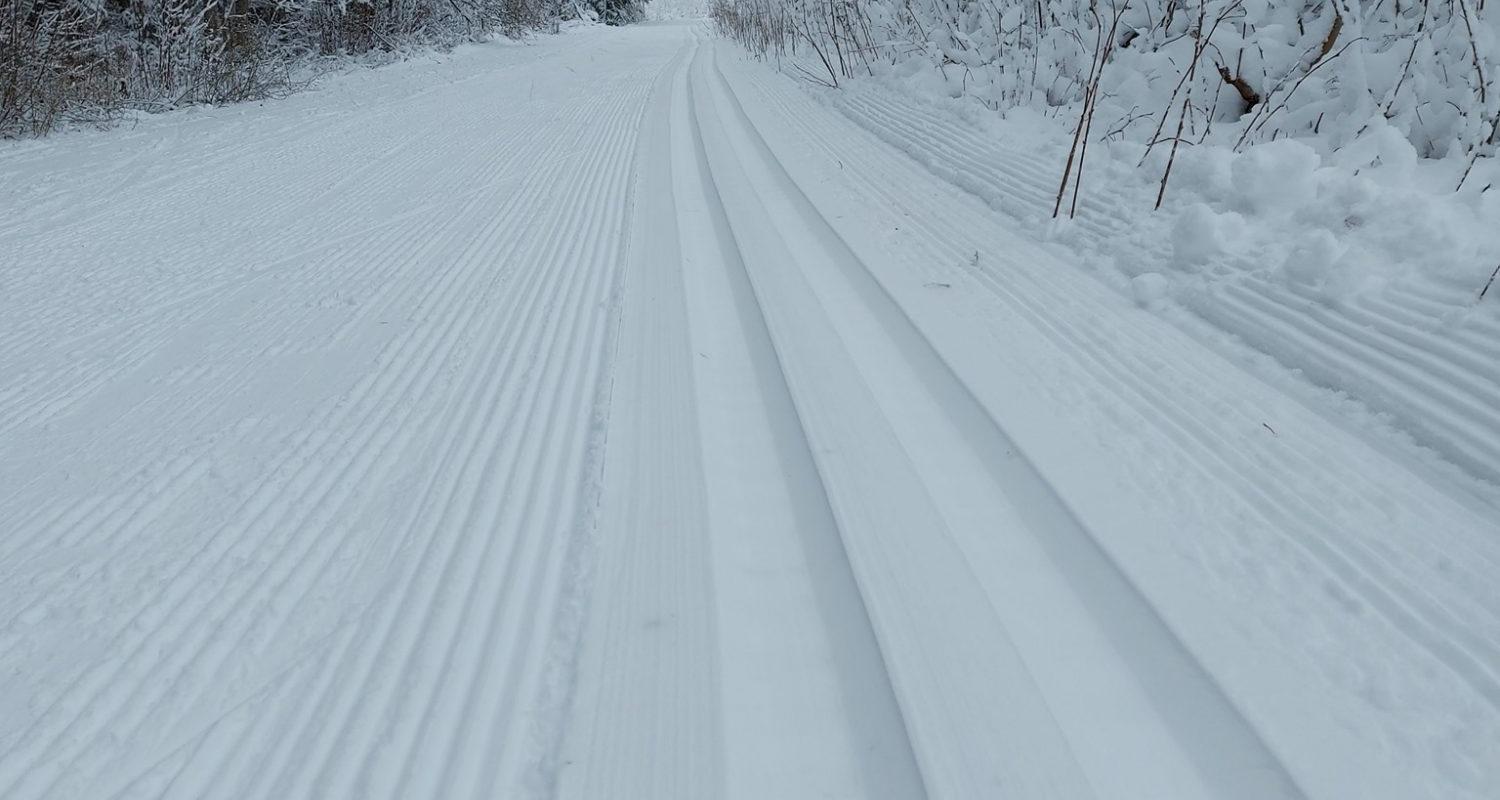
column 1364, row 277
column 614, row 417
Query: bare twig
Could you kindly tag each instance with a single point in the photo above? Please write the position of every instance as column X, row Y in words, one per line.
column 1092, row 102
column 1172, row 155
column 1489, row 282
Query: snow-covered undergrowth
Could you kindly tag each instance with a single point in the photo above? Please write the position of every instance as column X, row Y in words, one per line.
column 1342, row 223
column 1326, row 130
column 87, row 61
column 668, row 10
column 1318, row 178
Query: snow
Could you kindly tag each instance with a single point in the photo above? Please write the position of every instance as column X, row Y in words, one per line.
column 1370, row 254
column 670, row 10
column 1199, row 235
column 1149, row 288
column 613, row 416
column 1275, row 177
column 1365, row 118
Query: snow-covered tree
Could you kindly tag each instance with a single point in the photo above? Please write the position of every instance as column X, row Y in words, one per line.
column 620, row 12
column 87, row 59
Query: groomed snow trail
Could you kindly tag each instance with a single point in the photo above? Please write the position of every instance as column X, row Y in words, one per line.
column 297, row 512
column 604, row 418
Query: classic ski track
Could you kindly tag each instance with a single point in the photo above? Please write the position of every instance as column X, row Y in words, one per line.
column 647, row 721
column 1286, row 503
column 662, row 688
column 959, row 753
column 890, row 768
column 102, row 698
column 897, row 773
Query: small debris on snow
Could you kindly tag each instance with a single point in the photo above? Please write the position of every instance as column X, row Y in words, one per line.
column 1490, row 282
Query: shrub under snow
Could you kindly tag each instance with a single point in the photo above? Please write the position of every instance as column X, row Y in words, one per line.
column 1333, row 145
column 1237, row 72
column 85, row 60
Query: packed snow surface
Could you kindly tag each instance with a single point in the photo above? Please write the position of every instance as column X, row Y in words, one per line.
column 614, row 417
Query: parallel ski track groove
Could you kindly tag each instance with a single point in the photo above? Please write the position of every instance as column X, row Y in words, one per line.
column 652, row 558
column 1290, row 509
column 1086, row 552
column 899, row 768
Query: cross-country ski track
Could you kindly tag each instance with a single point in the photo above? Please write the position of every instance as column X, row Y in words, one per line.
column 606, row 417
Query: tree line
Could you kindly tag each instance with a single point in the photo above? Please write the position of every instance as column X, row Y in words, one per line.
column 87, row 60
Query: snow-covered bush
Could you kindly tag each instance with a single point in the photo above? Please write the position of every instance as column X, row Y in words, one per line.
column 84, row 60
column 1167, row 73
column 663, row 10
column 620, row 12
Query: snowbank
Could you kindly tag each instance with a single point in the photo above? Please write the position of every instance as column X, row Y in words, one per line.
column 1336, row 144
column 1329, row 171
